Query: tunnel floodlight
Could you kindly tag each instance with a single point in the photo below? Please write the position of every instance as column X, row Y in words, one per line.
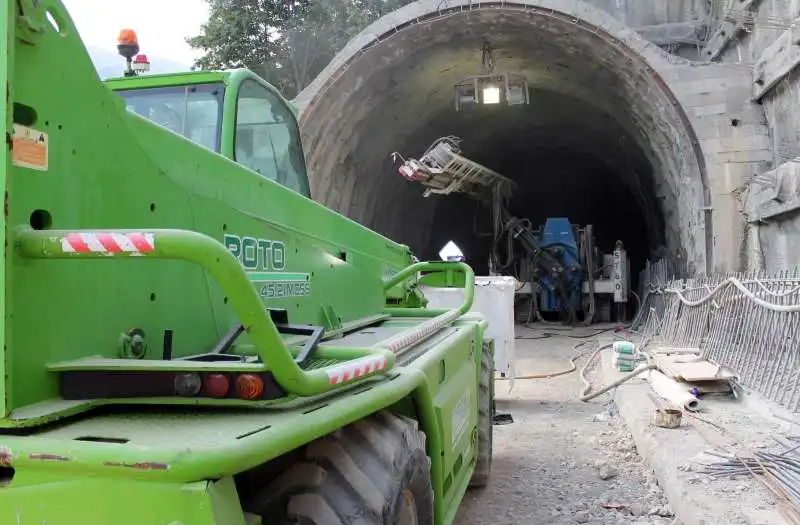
column 466, row 94
column 493, row 89
column 491, row 94
column 516, row 90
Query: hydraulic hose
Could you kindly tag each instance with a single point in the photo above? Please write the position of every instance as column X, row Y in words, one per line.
column 550, row 375
column 586, row 396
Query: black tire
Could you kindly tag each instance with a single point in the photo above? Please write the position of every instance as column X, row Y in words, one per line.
column 483, row 467
column 364, row 473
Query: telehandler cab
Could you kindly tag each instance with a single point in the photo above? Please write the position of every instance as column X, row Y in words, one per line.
column 188, row 338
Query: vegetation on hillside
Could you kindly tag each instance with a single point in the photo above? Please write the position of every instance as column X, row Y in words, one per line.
column 288, row 42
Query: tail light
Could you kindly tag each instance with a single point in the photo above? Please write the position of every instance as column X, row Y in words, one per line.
column 216, row 385
column 195, row 384
column 188, row 384
column 249, row 386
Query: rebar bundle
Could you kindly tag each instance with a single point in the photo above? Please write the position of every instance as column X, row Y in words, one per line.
column 780, row 474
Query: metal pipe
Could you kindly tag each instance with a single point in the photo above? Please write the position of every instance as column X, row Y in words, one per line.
column 439, row 266
column 670, row 390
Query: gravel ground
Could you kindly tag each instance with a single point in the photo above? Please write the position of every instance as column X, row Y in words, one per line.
column 562, row 461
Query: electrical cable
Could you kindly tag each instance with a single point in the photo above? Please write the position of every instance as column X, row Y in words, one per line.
column 583, row 336
column 544, row 336
column 585, row 395
column 549, row 375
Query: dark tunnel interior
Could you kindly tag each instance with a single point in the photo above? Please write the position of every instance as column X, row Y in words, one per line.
column 561, row 168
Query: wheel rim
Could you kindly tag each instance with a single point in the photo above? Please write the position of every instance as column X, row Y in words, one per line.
column 407, row 513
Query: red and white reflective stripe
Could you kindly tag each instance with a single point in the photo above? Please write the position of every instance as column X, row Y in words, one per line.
column 354, row 369
column 108, row 242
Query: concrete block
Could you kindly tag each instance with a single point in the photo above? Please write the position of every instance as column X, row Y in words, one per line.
column 719, row 157
column 779, row 200
column 728, row 177
column 736, row 142
column 710, row 109
column 754, row 252
column 729, row 77
column 715, row 127
column 779, row 244
column 777, row 61
column 718, row 124
column 728, row 241
column 679, row 74
column 730, row 128
column 732, row 95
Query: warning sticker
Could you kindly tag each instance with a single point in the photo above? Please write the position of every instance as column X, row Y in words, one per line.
column 29, row 148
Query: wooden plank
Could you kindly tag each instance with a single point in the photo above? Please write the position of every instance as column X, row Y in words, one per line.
column 777, row 62
column 690, row 368
column 669, row 350
column 711, row 387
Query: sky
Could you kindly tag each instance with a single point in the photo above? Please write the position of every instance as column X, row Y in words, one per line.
column 161, row 25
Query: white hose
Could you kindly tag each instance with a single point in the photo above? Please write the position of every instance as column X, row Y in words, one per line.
column 587, row 385
column 776, row 294
column 747, row 293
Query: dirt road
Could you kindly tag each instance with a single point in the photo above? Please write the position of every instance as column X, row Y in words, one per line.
column 562, row 461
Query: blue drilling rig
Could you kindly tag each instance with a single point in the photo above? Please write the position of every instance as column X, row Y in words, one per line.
column 557, row 265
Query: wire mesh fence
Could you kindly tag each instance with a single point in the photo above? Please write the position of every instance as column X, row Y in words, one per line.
column 747, row 322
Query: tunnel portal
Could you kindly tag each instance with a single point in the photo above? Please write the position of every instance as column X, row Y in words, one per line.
column 602, row 141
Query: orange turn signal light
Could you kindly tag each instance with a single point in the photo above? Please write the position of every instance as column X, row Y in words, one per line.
column 249, row 386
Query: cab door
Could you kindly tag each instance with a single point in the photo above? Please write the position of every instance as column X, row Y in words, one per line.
column 266, row 137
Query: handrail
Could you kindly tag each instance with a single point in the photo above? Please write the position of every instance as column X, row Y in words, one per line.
column 438, row 318
column 437, row 266
column 223, row 266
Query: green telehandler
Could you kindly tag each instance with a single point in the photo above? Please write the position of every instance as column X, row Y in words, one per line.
column 189, row 338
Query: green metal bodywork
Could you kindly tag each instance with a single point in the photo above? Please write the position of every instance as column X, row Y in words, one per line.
column 112, row 174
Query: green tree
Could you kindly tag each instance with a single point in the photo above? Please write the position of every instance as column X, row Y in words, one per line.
column 286, row 42
column 244, row 33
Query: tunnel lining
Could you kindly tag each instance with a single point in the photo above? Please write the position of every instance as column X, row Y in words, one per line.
column 314, row 102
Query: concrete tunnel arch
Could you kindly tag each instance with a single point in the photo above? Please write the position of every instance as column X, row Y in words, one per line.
column 604, row 140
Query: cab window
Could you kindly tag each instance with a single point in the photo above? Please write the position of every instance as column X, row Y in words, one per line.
column 192, row 111
column 267, row 138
